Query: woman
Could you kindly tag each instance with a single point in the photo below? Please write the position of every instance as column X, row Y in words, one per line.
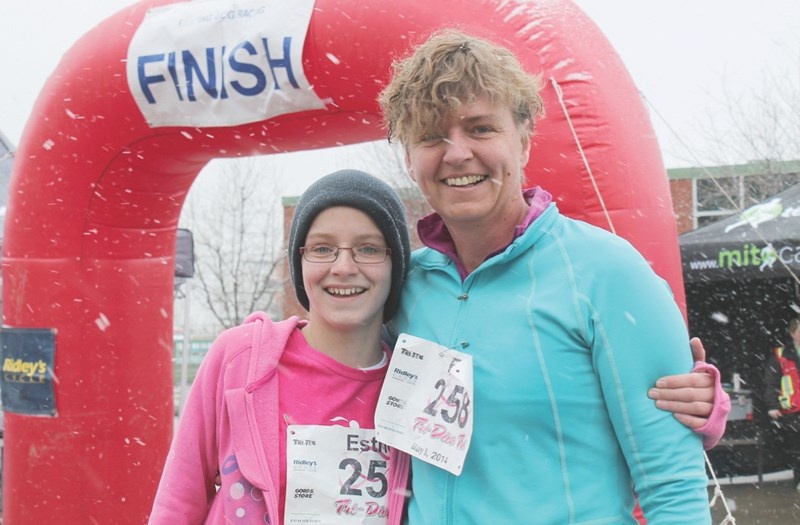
column 564, row 325
column 283, row 411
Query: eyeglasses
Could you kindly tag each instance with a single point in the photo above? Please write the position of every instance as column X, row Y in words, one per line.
column 362, row 254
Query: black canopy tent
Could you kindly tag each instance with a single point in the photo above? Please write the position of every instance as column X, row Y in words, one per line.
column 741, row 278
column 762, row 242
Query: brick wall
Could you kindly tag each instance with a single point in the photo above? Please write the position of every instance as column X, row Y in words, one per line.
column 681, row 191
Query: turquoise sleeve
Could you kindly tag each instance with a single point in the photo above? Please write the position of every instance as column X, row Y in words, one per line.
column 637, row 334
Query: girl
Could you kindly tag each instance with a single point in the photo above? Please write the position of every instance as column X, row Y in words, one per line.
column 283, row 411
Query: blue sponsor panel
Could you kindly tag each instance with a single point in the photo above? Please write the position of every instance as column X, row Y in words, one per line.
column 27, row 382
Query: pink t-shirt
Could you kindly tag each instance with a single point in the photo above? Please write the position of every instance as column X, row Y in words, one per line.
column 315, row 389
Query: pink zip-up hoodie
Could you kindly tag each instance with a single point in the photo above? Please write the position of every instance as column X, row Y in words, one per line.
column 222, row 432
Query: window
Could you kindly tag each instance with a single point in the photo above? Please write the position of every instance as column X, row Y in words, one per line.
column 719, row 197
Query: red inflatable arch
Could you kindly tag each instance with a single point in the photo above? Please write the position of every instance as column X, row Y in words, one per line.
column 96, row 194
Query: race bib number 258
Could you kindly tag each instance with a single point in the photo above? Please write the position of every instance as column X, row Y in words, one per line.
column 425, row 407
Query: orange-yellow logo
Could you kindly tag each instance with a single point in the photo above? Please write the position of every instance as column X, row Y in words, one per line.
column 19, row 371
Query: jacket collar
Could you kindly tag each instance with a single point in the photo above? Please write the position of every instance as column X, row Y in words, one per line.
column 434, row 234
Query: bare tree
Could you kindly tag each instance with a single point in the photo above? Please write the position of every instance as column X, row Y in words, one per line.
column 237, row 231
column 389, row 164
column 752, row 143
column 760, row 125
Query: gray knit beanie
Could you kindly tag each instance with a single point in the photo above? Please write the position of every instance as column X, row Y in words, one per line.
column 364, row 192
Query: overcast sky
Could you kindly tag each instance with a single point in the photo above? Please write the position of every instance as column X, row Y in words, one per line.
column 680, row 53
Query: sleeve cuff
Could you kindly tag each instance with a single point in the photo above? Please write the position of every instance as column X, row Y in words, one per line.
column 714, row 428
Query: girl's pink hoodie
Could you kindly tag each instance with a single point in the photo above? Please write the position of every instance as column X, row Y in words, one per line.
column 221, row 431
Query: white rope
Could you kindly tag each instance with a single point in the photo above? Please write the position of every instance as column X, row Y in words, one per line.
column 708, row 174
column 729, row 519
column 583, row 156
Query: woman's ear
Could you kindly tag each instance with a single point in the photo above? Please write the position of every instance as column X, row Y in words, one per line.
column 409, row 167
column 525, row 155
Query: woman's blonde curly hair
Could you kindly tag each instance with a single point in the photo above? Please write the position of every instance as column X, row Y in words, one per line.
column 450, row 69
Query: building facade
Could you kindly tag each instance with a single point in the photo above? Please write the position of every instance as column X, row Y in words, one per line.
column 701, row 196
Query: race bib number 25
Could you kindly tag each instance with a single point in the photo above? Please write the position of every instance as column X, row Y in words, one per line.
column 336, row 475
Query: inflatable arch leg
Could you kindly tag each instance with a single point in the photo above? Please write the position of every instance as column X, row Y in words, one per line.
column 98, row 187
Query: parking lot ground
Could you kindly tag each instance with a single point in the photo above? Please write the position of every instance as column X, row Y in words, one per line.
column 774, row 501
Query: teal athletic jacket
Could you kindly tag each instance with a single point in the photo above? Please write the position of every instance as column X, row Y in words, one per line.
column 568, row 328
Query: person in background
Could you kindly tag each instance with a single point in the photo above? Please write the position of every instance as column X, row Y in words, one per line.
column 282, row 413
column 566, row 325
column 782, row 394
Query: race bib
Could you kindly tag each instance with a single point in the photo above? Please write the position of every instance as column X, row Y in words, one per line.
column 425, row 406
column 335, row 475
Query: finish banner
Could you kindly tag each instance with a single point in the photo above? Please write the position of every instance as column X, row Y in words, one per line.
column 221, row 62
